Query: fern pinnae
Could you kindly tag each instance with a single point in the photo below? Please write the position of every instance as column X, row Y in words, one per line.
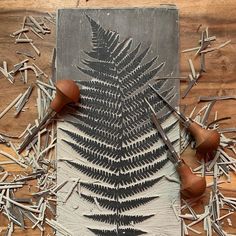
column 121, row 231
column 105, row 116
column 93, row 157
column 104, row 136
column 114, row 43
column 85, row 116
column 143, row 79
column 133, row 78
column 121, row 50
column 119, row 219
column 95, row 104
column 96, row 84
column 107, row 67
column 142, row 173
column 152, row 138
column 108, row 94
column 82, row 124
column 123, row 192
column 138, row 187
column 168, row 94
column 127, row 59
column 110, row 79
column 120, row 206
column 145, row 90
column 96, row 174
column 132, row 67
column 136, row 121
column 93, row 145
column 144, row 158
column 143, row 127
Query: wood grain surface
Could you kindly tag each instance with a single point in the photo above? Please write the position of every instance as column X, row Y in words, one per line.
column 219, row 16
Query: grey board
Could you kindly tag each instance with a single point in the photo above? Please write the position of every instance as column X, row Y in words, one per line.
column 101, row 138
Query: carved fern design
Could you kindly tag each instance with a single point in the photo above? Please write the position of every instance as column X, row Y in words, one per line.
column 120, row 147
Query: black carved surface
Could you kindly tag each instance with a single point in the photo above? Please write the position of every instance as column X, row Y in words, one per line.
column 118, row 145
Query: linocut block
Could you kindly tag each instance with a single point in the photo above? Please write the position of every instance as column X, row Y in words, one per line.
column 108, row 149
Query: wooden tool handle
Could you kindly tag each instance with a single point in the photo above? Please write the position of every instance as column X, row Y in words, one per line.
column 207, row 140
column 191, row 184
column 67, row 92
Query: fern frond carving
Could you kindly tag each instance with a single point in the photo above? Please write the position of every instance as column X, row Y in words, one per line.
column 121, row 206
column 119, row 146
column 118, row 219
column 120, row 231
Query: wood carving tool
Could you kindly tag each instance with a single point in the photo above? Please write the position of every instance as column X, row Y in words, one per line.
column 191, row 185
column 207, row 140
column 66, row 92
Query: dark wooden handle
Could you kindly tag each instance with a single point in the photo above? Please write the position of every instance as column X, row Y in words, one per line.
column 67, row 92
column 191, row 184
column 207, row 140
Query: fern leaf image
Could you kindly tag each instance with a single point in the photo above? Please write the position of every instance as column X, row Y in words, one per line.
column 120, row 149
column 120, row 231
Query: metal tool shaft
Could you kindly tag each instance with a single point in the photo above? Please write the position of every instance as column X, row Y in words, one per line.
column 161, row 131
column 66, row 92
column 28, row 139
column 181, row 116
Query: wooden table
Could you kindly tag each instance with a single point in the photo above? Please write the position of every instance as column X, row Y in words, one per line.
column 219, row 16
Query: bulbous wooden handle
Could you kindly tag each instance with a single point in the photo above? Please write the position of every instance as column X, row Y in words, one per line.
column 191, row 184
column 207, row 140
column 67, row 91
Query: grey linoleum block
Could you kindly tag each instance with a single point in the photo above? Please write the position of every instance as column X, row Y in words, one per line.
column 108, row 149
